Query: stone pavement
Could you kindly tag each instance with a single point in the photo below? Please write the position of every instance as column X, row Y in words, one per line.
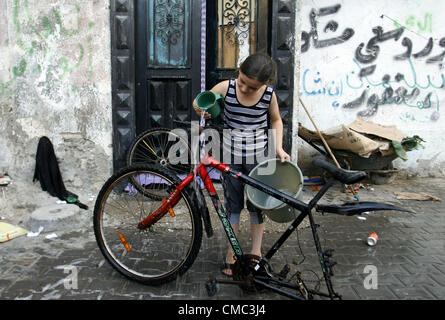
column 406, row 263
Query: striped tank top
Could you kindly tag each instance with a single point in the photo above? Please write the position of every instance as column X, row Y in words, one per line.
column 246, row 127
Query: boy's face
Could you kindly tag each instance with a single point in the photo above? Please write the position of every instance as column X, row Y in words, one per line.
column 248, row 85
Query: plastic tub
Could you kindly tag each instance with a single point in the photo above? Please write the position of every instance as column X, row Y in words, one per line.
column 285, row 177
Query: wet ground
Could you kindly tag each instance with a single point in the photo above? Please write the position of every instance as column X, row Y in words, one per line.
column 406, row 263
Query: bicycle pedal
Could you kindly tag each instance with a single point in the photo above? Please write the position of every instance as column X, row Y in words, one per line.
column 284, row 272
column 328, row 253
column 330, row 264
column 211, row 286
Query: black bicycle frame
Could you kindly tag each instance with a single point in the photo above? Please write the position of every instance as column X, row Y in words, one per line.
column 305, row 210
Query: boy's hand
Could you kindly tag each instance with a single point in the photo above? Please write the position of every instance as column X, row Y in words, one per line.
column 198, row 111
column 282, row 155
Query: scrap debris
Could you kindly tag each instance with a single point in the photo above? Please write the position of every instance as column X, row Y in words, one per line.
column 420, row 196
column 366, row 138
column 9, row 231
column 5, row 180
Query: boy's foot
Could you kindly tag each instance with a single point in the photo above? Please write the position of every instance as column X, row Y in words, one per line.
column 226, row 269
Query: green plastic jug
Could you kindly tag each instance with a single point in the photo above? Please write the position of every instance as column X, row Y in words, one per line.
column 209, row 102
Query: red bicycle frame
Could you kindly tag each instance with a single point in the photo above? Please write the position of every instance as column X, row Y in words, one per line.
column 175, row 196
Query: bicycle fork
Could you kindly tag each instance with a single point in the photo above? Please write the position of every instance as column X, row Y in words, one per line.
column 167, row 205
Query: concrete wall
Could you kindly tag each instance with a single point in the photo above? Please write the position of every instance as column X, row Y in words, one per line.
column 55, row 81
column 334, row 54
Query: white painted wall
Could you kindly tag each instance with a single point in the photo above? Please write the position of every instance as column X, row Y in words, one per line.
column 329, row 75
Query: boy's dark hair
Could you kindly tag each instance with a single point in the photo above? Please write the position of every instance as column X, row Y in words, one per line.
column 261, row 67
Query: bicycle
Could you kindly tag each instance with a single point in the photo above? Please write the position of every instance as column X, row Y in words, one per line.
column 155, row 235
column 155, row 145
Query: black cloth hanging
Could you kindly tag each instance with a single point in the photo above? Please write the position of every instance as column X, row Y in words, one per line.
column 48, row 173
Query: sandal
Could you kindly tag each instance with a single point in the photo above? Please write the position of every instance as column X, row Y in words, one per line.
column 226, row 266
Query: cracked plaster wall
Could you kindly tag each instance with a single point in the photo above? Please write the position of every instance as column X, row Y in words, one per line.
column 55, row 81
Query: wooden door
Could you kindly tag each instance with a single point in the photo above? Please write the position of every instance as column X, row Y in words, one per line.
column 168, row 61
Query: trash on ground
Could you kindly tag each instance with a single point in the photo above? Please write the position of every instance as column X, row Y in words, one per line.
column 361, row 218
column 314, row 187
column 35, row 234
column 313, row 180
column 51, row 236
column 5, row 180
column 372, row 239
column 354, row 188
column 9, row 231
column 421, row 196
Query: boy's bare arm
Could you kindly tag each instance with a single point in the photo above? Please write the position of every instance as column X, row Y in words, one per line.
column 277, row 125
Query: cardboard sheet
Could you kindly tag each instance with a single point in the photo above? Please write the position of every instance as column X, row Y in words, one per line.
column 386, row 132
column 420, row 196
column 361, row 137
column 8, row 232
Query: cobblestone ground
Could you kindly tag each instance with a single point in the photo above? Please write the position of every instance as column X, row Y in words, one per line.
column 406, row 263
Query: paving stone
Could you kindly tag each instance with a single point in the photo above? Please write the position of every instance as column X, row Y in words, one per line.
column 408, row 257
column 383, row 292
column 412, row 293
column 436, row 292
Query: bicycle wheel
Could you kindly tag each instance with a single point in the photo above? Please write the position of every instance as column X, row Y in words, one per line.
column 158, row 254
column 162, row 146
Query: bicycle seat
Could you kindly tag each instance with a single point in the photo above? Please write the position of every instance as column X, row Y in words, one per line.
column 342, row 175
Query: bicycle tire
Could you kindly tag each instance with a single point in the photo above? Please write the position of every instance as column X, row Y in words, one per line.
column 153, row 146
column 182, row 171
column 156, row 255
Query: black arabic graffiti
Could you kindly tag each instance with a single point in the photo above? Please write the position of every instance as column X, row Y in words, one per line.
column 422, row 53
column 389, row 96
column 330, row 26
column 372, row 49
column 370, row 53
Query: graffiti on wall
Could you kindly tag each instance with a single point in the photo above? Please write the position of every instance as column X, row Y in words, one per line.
column 39, row 41
column 415, row 86
column 332, row 25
